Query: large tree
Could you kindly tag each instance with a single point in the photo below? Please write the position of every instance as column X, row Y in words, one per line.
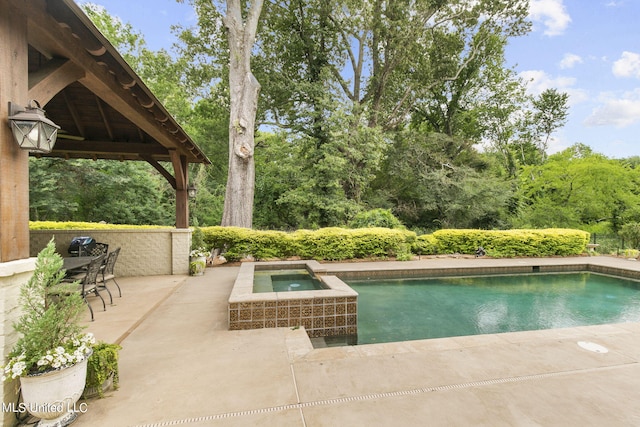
column 428, row 189
column 243, row 89
column 377, row 58
column 578, row 188
column 367, row 65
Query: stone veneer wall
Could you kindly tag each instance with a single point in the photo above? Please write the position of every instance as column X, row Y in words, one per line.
column 12, row 275
column 144, row 252
column 327, row 312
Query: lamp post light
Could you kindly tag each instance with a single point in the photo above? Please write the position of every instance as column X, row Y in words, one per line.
column 191, row 194
column 31, row 129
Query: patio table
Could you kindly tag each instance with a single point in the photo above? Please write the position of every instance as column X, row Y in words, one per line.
column 75, row 262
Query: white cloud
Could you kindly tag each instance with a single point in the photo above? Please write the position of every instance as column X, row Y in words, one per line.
column 569, row 60
column 558, row 143
column 618, row 112
column 551, row 13
column 627, row 66
column 539, row 81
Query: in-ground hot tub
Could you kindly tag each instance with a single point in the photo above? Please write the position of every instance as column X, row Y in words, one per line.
column 329, row 311
column 290, row 280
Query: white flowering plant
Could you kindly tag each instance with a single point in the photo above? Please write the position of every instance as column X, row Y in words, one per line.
column 51, row 335
column 74, row 350
column 198, row 252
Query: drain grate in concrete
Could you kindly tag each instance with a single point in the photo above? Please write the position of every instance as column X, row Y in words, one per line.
column 372, row 396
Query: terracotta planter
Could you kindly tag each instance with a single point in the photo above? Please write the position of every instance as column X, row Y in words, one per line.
column 52, row 396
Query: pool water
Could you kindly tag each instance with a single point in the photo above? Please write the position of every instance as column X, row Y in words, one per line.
column 284, row 281
column 410, row 309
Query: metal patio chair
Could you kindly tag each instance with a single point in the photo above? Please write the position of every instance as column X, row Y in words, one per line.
column 98, row 249
column 87, row 285
column 108, row 274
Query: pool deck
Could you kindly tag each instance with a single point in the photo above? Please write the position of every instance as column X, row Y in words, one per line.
column 180, row 365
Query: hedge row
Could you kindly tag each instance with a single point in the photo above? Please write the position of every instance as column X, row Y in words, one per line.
column 331, row 244
column 71, row 225
column 511, row 243
column 334, row 244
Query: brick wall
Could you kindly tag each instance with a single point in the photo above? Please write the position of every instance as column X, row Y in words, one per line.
column 144, row 252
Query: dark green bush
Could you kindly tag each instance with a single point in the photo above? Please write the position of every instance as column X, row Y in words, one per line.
column 376, row 218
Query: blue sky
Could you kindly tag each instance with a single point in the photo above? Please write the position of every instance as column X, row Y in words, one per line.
column 587, row 48
column 591, row 50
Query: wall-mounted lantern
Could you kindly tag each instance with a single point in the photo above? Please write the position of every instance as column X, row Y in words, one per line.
column 192, row 191
column 31, row 129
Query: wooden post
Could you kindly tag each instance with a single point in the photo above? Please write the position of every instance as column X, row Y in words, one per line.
column 182, row 209
column 181, row 173
column 14, row 162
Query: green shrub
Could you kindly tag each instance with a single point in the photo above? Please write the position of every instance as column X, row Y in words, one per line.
column 510, row 243
column 234, row 242
column 331, row 244
column 460, row 241
column 425, row 244
column 404, row 252
column 336, row 244
column 376, row 218
column 380, row 242
column 49, row 327
column 237, row 243
column 266, row 245
column 102, row 364
column 197, row 239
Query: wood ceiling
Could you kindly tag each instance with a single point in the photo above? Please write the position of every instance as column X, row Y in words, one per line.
column 104, row 109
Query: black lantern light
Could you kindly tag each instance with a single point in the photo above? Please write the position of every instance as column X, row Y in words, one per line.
column 31, row 129
column 191, row 191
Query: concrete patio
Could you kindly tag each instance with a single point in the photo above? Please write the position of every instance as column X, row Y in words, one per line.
column 181, row 366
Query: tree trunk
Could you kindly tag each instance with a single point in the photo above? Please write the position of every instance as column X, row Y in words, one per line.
column 244, row 90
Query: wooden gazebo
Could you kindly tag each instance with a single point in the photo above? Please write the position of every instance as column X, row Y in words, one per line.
column 53, row 54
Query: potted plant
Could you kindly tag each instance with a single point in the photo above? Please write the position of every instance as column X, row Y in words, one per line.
column 197, row 261
column 50, row 356
column 102, row 369
column 198, row 254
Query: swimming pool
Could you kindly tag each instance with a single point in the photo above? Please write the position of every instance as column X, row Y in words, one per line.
column 408, row 309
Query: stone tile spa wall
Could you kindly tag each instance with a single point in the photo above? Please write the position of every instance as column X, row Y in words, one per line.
column 328, row 312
